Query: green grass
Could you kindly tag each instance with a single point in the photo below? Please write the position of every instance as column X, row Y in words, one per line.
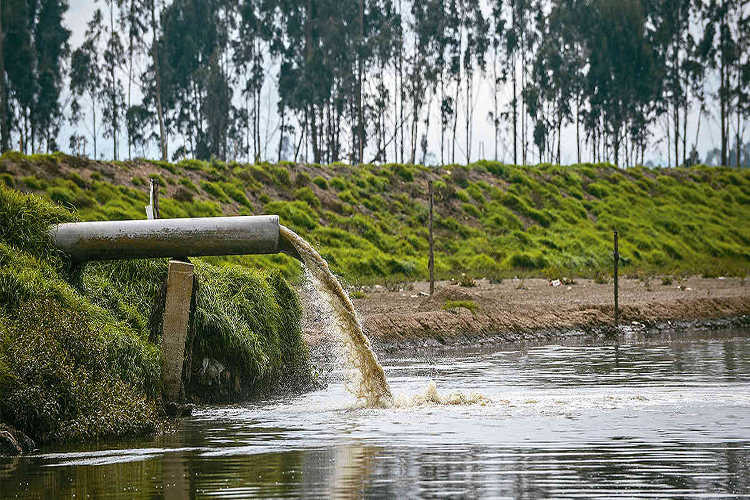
column 79, row 346
column 491, row 220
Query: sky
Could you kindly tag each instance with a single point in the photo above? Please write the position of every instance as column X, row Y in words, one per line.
column 80, row 12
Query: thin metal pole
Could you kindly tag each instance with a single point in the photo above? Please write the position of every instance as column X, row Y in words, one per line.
column 616, row 258
column 432, row 252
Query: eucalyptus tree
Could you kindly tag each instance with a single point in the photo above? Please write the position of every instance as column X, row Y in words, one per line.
column 518, row 44
column 152, row 78
column 621, row 68
column 16, row 62
column 249, row 58
column 477, row 28
column 724, row 49
column 112, row 92
column 134, row 21
column 85, row 74
column 4, row 121
column 193, row 74
column 499, row 71
column 426, row 27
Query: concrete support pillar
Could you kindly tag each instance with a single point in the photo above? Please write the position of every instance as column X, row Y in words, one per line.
column 175, row 327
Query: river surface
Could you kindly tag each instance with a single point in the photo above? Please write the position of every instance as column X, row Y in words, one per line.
column 644, row 419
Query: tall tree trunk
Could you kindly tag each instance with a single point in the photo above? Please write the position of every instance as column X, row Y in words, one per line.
column 559, row 134
column 114, row 84
column 427, row 126
column 515, row 112
column 496, row 120
column 676, row 135
column 401, row 90
column 360, row 65
column 685, row 110
column 442, row 119
column 524, row 114
column 676, row 91
column 130, row 70
column 157, row 74
column 314, row 134
column 669, row 144
column 4, row 121
column 93, row 113
column 738, row 144
column 723, row 107
column 578, row 136
column 281, row 132
column 515, row 94
column 455, row 118
column 468, row 116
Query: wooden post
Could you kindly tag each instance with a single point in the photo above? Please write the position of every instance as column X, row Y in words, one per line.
column 616, row 258
column 155, row 190
column 175, row 327
column 152, row 210
column 431, row 264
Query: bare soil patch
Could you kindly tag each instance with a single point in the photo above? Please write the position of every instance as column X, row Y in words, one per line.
column 531, row 310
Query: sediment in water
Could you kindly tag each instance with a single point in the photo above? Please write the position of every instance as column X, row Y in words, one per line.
column 369, row 385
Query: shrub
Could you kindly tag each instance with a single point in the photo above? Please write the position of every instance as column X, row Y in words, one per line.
column 236, row 194
column 293, row 213
column 463, row 195
column 301, row 179
column 475, row 192
column 280, row 176
column 460, row 176
column 188, row 184
column 320, row 182
column 183, row 194
column 471, row 210
column 338, row 183
column 306, row 194
column 216, row 191
column 261, row 175
column 61, row 196
column 451, row 305
column 525, row 260
column 7, row 180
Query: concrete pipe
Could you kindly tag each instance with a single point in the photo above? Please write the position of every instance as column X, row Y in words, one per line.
column 132, row 239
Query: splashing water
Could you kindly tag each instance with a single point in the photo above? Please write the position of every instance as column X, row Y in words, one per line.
column 370, row 385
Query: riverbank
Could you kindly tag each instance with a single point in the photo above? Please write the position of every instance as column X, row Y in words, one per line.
column 537, row 310
column 80, row 346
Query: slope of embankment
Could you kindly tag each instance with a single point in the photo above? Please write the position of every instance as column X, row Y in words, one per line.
column 491, row 220
column 79, row 346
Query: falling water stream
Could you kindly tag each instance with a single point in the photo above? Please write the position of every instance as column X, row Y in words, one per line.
column 370, row 384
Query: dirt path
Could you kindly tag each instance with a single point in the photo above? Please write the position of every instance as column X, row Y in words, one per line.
column 532, row 309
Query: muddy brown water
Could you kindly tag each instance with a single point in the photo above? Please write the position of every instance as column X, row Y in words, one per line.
column 367, row 380
column 667, row 417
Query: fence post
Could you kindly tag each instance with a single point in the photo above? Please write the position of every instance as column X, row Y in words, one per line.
column 155, row 190
column 432, row 252
column 152, row 209
column 616, row 258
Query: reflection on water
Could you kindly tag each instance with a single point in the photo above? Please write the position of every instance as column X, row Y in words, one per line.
column 658, row 419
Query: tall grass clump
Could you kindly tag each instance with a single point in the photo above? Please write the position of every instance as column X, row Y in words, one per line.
column 79, row 345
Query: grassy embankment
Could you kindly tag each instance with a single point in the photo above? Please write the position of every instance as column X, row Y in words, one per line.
column 79, row 356
column 492, row 220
